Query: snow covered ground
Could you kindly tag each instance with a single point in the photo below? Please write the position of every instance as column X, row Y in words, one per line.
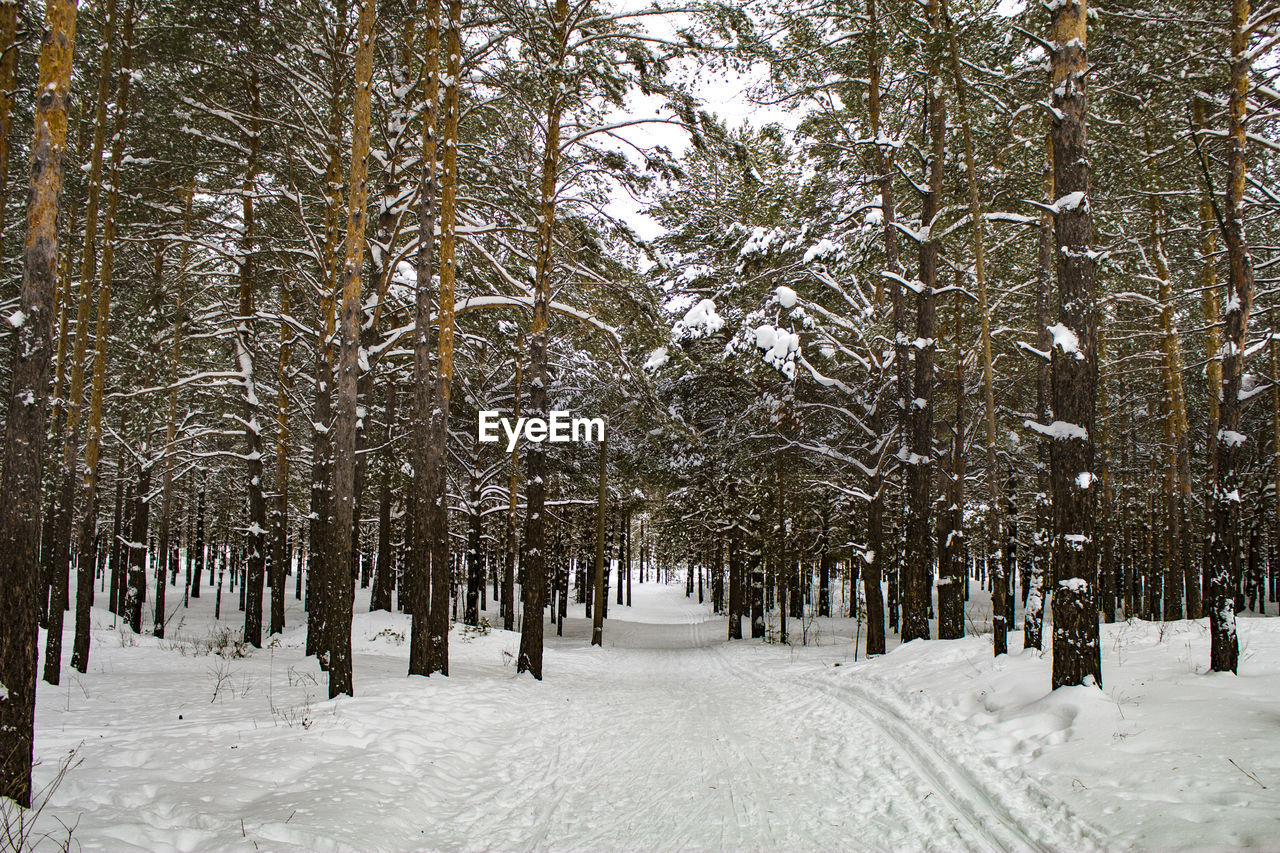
column 667, row 738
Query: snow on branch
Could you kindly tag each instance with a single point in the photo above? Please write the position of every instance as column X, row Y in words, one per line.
column 1058, row 430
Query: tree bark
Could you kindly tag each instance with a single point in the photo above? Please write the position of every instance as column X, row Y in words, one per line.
column 279, row 564
column 24, row 435
column 1196, row 586
column 597, row 575
column 951, row 540
column 436, row 489
column 1224, row 574
column 319, row 564
column 533, row 590
column 1041, row 537
column 1000, row 601
column 245, row 362
column 513, row 482
column 419, row 526
column 9, row 13
column 916, row 581
column 136, row 587
column 902, row 377
column 384, row 578
column 342, row 505
column 59, row 559
column 1176, row 487
column 1076, row 655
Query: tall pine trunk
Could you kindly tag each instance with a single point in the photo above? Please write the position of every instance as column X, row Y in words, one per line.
column 320, row 562
column 1076, row 655
column 1041, row 537
column 279, row 563
column 902, row 378
column 24, row 435
column 435, row 482
column 8, row 62
column 245, row 361
column 513, row 483
column 951, row 525
column 1213, row 375
column 1224, row 574
column 918, row 574
column 533, row 592
column 419, row 523
column 598, row 591
column 171, row 423
column 342, row 505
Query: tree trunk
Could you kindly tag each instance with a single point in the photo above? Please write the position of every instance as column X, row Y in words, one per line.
column 419, row 522
column 24, row 436
column 824, row 561
column 1076, row 655
column 951, row 542
column 342, row 505
column 916, row 581
column 756, row 557
column 244, row 353
column 435, row 486
column 597, row 575
column 1225, row 571
column 1001, row 601
column 902, row 376
column 136, row 587
column 280, row 523
column 533, row 591
column 319, row 583
column 1041, row 538
column 736, row 584
column 8, row 62
column 1213, row 371
column 93, row 442
column 175, row 357
column 385, row 578
column 197, row 569
column 1175, row 422
column 59, row 559
column 513, row 482
column 474, row 566
column 117, row 535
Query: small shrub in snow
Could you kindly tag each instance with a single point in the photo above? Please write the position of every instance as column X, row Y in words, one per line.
column 396, row 638
column 18, row 831
column 296, row 716
column 472, row 631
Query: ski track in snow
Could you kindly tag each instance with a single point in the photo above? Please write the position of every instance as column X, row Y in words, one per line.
column 669, row 738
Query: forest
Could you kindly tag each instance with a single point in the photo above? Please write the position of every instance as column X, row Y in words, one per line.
column 901, row 321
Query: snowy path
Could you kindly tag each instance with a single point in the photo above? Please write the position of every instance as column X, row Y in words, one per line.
column 668, row 738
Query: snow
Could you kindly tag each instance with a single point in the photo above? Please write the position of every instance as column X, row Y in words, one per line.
column 703, row 317
column 822, row 249
column 17, row 318
column 875, row 213
column 786, row 296
column 1060, row 430
column 1232, row 438
column 657, row 359
column 1066, row 340
column 778, row 344
column 667, row 732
